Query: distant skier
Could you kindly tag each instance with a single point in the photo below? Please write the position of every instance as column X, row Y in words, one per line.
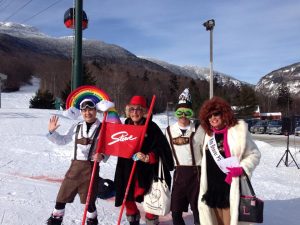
column 77, row 178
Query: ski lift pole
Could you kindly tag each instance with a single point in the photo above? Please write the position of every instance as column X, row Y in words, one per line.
column 77, row 81
column 134, row 163
column 98, row 149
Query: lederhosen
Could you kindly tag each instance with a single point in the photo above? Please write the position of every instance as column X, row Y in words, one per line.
column 77, row 178
column 186, row 179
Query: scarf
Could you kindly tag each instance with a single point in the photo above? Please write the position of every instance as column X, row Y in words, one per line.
column 224, row 131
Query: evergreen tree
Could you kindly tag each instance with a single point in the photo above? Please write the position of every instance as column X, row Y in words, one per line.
column 65, row 93
column 174, row 86
column 197, row 97
column 42, row 100
column 284, row 100
column 145, row 77
column 88, row 78
column 247, row 102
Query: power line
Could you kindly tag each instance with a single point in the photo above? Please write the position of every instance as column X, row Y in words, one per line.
column 18, row 10
column 43, row 10
column 9, row 3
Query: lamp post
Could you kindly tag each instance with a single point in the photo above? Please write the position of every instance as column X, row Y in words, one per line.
column 209, row 25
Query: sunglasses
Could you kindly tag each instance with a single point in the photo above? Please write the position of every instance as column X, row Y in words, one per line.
column 87, row 104
column 215, row 114
column 132, row 109
column 188, row 113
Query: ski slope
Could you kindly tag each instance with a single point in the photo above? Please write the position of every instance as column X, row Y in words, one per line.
column 31, row 169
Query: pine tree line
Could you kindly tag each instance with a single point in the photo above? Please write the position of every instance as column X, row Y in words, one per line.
column 244, row 98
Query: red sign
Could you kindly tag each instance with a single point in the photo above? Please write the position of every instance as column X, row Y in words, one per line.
column 122, row 140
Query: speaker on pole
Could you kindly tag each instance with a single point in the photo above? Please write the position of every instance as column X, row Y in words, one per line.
column 286, row 130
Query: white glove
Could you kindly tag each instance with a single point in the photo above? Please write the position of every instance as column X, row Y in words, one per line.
column 104, row 105
column 72, row 113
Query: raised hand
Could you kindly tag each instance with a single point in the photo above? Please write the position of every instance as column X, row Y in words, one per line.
column 53, row 125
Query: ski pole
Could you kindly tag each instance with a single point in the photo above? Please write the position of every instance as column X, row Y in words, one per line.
column 134, row 163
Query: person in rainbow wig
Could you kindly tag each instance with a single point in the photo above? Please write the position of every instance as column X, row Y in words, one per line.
column 186, row 182
column 77, row 179
column 228, row 138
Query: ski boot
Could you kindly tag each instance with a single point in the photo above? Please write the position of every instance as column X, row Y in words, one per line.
column 152, row 221
column 134, row 219
column 54, row 220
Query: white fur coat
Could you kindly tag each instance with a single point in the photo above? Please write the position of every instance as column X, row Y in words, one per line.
column 243, row 147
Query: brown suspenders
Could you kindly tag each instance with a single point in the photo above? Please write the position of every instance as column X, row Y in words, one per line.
column 173, row 148
column 76, row 137
column 92, row 144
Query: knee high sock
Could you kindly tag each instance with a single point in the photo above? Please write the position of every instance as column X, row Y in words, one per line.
column 59, row 209
column 92, row 212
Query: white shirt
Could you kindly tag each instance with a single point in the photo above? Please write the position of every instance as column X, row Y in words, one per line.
column 82, row 150
column 183, row 152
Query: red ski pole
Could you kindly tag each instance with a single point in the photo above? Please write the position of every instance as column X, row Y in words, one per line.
column 98, row 149
column 134, row 163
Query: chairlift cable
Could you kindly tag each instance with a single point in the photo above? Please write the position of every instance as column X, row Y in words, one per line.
column 9, row 3
column 18, row 10
column 43, row 10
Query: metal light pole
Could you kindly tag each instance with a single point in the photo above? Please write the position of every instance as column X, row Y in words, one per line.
column 77, row 76
column 209, row 25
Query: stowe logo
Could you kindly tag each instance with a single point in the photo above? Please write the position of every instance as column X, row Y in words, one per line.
column 121, row 136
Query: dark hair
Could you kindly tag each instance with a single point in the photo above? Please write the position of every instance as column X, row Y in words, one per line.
column 216, row 105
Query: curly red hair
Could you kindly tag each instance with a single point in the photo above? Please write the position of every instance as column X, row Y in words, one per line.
column 216, row 104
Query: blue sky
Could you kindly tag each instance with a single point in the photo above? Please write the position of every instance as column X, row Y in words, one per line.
column 251, row 37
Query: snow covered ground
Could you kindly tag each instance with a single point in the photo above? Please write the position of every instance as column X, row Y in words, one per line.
column 31, row 168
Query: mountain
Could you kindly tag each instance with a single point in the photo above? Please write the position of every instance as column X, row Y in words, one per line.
column 20, row 30
column 201, row 73
column 31, row 38
column 62, row 47
column 26, row 52
column 270, row 83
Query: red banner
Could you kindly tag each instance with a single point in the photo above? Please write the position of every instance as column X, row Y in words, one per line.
column 122, row 140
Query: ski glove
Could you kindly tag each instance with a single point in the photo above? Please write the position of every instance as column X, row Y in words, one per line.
column 233, row 172
column 134, row 157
